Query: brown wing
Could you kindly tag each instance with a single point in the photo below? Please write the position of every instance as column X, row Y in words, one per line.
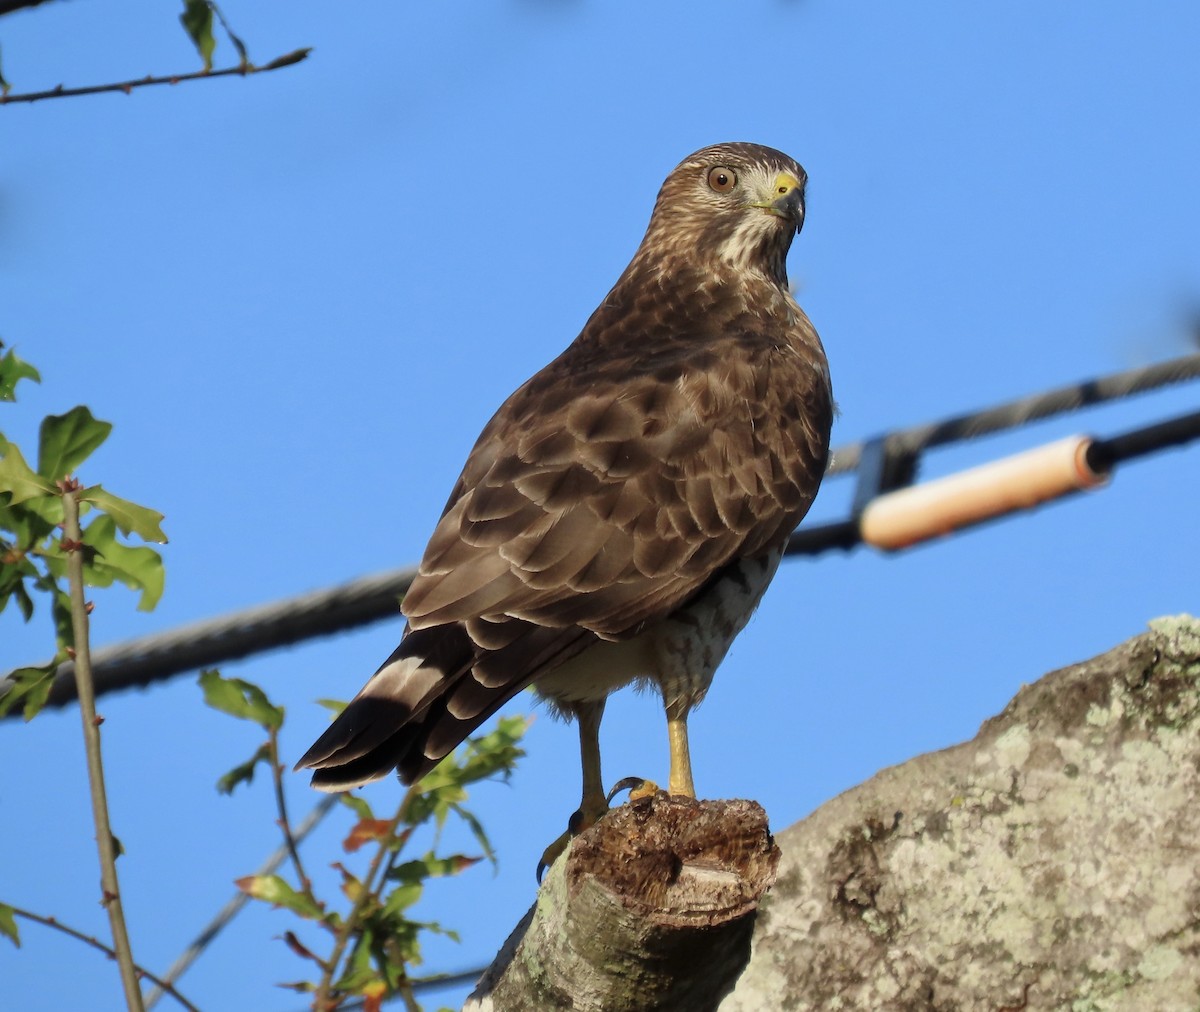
column 605, row 493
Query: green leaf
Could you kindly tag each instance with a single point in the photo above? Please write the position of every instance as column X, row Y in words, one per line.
column 30, row 685
column 66, row 441
column 197, row 21
column 432, row 866
column 130, row 517
column 411, row 871
column 273, row 889
column 24, row 601
column 352, row 886
column 444, row 788
column 402, row 897
column 391, row 962
column 495, row 752
column 18, row 479
column 8, row 921
column 138, row 567
column 356, row 804
column 476, row 828
column 15, row 569
column 437, row 929
column 359, row 973
column 60, row 612
column 245, row 772
column 60, row 608
column 440, row 790
column 238, row 44
column 33, row 520
column 240, row 699
column 402, row 945
column 13, row 369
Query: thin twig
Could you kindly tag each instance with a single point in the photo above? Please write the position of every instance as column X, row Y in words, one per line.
column 406, row 995
column 285, row 825
column 95, row 943
column 240, row 899
column 72, row 544
column 287, row 60
column 321, row 1000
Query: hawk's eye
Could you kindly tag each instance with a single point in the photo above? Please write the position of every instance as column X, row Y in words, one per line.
column 722, row 180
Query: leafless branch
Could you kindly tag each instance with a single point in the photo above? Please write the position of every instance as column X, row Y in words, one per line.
column 95, row 943
column 72, row 543
column 287, row 60
column 285, row 825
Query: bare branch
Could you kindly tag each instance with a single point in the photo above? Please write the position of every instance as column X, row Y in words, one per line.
column 105, row 842
column 285, row 825
column 95, row 943
column 287, row 60
column 239, row 900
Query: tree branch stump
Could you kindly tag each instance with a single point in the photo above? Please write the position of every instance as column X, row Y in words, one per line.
column 651, row 908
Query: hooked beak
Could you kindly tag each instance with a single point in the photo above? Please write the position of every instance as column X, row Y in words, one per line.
column 786, row 199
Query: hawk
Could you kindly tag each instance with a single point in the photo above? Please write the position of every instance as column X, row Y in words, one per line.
column 621, row 515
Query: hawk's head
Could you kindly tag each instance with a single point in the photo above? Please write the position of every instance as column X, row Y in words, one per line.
column 739, row 203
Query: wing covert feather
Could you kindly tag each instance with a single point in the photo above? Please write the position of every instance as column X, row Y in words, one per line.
column 605, row 503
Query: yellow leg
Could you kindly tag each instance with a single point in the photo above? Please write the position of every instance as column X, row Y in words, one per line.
column 594, row 803
column 680, row 782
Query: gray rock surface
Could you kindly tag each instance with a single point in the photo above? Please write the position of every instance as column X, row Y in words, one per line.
column 1053, row 862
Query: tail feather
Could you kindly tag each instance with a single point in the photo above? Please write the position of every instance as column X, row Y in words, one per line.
column 375, row 732
column 436, row 688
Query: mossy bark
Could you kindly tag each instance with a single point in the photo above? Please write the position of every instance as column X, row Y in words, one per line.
column 1053, row 862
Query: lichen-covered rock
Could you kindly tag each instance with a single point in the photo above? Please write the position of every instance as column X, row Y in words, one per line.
column 1051, row 863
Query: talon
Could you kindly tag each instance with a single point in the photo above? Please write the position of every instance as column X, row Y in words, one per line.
column 576, row 824
column 647, row 790
column 593, row 805
column 553, row 853
column 638, row 787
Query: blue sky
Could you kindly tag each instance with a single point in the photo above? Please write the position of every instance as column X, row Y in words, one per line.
column 298, row 297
